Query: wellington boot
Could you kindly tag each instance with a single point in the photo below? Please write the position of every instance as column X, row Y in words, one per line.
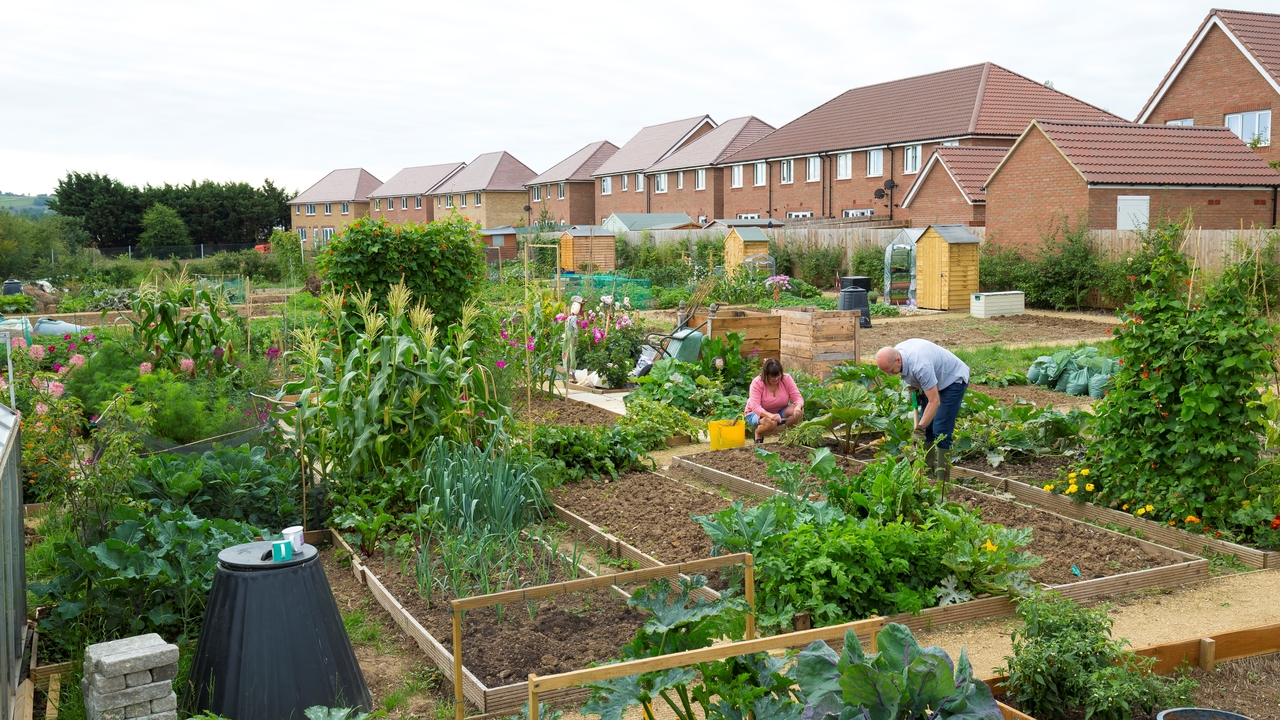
column 931, row 460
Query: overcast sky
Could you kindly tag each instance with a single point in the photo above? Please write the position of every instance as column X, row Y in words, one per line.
column 173, row 91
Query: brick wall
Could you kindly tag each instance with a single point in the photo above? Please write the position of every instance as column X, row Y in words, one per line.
column 577, row 208
column 316, row 223
column 940, row 201
column 496, row 209
column 1210, row 209
column 1035, row 183
column 689, row 200
column 391, row 210
column 619, row 201
column 1218, row 79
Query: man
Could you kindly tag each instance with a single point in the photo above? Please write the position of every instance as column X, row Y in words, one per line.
column 942, row 378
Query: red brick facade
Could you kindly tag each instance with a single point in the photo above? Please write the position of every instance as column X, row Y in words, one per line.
column 1217, row 79
column 939, row 201
column 619, row 200
column 1210, row 209
column 706, row 204
column 578, row 207
column 390, row 209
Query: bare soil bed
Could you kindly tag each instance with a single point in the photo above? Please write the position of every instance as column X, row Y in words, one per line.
column 1034, row 470
column 648, row 511
column 964, row 331
column 569, row 631
column 1041, row 397
column 546, row 411
column 1250, row 686
column 1063, row 544
column 743, row 462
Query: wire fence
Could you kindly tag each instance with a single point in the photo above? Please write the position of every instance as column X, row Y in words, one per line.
column 13, row 573
column 198, row 251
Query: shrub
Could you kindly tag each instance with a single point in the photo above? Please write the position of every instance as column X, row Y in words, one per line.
column 18, row 304
column 226, row 484
column 670, row 298
column 441, row 262
column 819, row 266
column 1001, row 268
column 162, row 229
column 252, row 264
column 868, row 260
column 653, row 422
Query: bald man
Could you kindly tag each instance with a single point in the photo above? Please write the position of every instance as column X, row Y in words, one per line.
column 939, row 380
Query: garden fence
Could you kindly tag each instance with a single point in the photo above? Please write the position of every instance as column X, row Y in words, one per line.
column 13, row 572
column 198, row 251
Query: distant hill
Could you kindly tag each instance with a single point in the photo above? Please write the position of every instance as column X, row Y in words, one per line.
column 24, row 203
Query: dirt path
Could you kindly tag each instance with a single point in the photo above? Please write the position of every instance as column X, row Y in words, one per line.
column 956, row 330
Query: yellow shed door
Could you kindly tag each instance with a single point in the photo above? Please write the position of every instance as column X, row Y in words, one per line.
column 930, row 250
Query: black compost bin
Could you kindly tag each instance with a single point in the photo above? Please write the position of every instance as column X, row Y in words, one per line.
column 12, row 287
column 856, row 281
column 272, row 643
column 855, row 298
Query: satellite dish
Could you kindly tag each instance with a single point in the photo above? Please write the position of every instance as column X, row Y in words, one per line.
column 879, row 194
column 890, row 184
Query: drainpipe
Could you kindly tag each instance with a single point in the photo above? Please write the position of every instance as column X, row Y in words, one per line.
column 647, row 184
column 1275, row 191
column 768, row 182
column 890, row 189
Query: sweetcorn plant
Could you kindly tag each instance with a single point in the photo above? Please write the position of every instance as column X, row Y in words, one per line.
column 184, row 319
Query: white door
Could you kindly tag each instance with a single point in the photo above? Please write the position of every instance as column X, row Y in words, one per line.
column 1132, row 212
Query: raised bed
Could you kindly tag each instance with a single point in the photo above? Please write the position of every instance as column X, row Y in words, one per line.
column 559, row 411
column 761, row 332
column 742, row 471
column 815, row 340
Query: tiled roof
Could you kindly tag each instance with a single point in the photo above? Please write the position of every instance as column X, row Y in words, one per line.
column 650, row 145
column 983, row 99
column 968, row 166
column 346, row 185
column 491, row 172
column 1258, row 32
column 419, row 180
column 1157, row 155
column 730, row 137
column 579, row 165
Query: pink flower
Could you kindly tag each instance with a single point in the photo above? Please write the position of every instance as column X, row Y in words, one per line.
column 529, row 346
column 71, row 348
column 76, row 360
column 3, row 385
column 41, row 408
column 56, row 389
column 36, row 352
column 561, row 317
column 18, row 343
column 597, row 335
column 52, row 348
column 144, row 368
column 501, row 364
column 67, row 336
column 187, row 366
column 503, row 334
column 623, row 321
column 57, row 367
column 583, row 322
column 90, row 338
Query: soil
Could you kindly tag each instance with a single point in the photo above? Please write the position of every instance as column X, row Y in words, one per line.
column 569, row 632
column 648, row 511
column 744, row 463
column 1063, row 544
column 1032, row 470
column 1250, row 686
column 1034, row 394
column 546, row 411
column 963, row 331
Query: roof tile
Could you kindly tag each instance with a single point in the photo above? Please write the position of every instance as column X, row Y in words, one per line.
column 579, row 165
column 345, row 185
column 650, row 145
column 419, row 180
column 968, row 165
column 730, row 137
column 491, row 172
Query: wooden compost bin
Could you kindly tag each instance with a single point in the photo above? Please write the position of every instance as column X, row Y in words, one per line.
column 816, row 340
column 946, row 267
column 761, row 332
column 592, row 246
column 742, row 243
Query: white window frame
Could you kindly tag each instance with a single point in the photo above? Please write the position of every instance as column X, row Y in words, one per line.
column 328, row 208
column 875, row 163
column 813, row 169
column 1125, row 221
column 297, row 209
column 626, row 180
column 680, row 180
column 302, row 234
column 377, row 203
column 639, row 182
column 735, row 179
column 659, row 183
column 404, row 202
column 760, row 174
column 346, row 208
column 748, row 216
column 537, row 193
column 700, row 179
column 799, row 214
column 327, row 233
column 786, row 173
column 417, row 202
column 606, row 185
column 1242, row 121
column 951, row 143
column 1182, row 122
column 844, row 166
column 560, row 193
column 311, row 209
column 462, row 200
column 479, row 196
column 702, row 219
column 911, row 159
column 859, row 212
column 439, row 200
column 448, row 200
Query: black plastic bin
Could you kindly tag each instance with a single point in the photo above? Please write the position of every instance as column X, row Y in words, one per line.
column 272, row 643
column 855, row 298
column 856, row 281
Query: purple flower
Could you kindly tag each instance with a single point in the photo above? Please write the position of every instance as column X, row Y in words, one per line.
column 218, row 353
column 273, row 353
column 503, row 334
column 597, row 335
column 71, row 348
column 57, row 367
column 90, row 338
column 501, row 364
column 145, row 368
column 529, row 346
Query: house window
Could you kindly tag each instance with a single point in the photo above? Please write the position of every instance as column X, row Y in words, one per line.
column 748, row 216
column 951, row 143
column 328, row 208
column 875, row 163
column 311, row 209
column 438, row 200
column 377, row 204
column 297, row 209
column 448, row 201
column 498, row 241
column 346, row 208
column 702, row 219
column 639, row 182
column 1252, row 126
column 700, row 179
column 462, row 197
column 762, row 173
column 477, row 199
column 1185, row 122
column 328, row 233
column 813, row 169
column 844, row 166
column 659, row 182
column 860, row 212
column 794, row 214
column 560, row 193
column 302, row 233
column 736, row 180
column 680, row 180
column 785, row 169
column 606, row 185
column 537, row 193
column 911, row 159
column 417, row 202
column 1132, row 211
column 624, row 182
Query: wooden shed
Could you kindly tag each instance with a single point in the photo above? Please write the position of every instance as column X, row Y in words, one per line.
column 946, row 267
column 499, row 243
column 741, row 243
column 587, row 247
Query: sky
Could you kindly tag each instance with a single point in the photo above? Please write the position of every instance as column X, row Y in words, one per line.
column 156, row 92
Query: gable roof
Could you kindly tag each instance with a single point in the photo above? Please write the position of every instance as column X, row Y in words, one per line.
column 718, row 144
column 983, row 99
column 1256, row 34
column 579, row 165
column 419, row 180
column 491, row 172
column 955, row 234
column 968, row 166
column 751, row 233
column 651, row 144
column 646, row 221
column 588, row 231
column 1106, row 154
column 345, row 185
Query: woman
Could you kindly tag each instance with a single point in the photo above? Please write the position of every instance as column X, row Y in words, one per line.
column 774, row 401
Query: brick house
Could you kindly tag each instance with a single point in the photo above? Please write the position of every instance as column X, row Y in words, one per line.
column 489, row 191
column 1228, row 74
column 1120, row 177
column 687, row 180
column 829, row 162
column 406, row 196
column 620, row 181
column 566, row 191
column 949, row 189
column 325, row 208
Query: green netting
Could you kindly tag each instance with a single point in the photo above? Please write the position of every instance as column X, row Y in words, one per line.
column 591, row 287
column 233, row 286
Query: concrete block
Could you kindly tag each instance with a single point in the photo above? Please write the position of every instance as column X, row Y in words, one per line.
column 166, row 703
column 135, row 661
column 103, row 684
column 129, row 696
column 164, row 672
column 137, row 710
column 134, row 679
column 166, row 715
column 93, row 653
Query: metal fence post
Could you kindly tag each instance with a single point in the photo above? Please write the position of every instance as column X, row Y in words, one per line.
column 201, row 251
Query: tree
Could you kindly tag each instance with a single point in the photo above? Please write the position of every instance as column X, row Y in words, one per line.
column 111, row 211
column 162, row 228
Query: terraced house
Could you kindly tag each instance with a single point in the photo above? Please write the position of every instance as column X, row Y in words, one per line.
column 406, row 196
column 688, row 181
column 326, row 207
column 489, row 191
column 829, row 162
column 620, row 181
column 566, row 192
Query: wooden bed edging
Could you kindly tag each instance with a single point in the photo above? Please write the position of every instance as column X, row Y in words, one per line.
column 734, row 483
column 1096, row 514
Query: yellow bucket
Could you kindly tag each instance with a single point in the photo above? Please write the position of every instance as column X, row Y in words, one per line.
column 727, row 434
